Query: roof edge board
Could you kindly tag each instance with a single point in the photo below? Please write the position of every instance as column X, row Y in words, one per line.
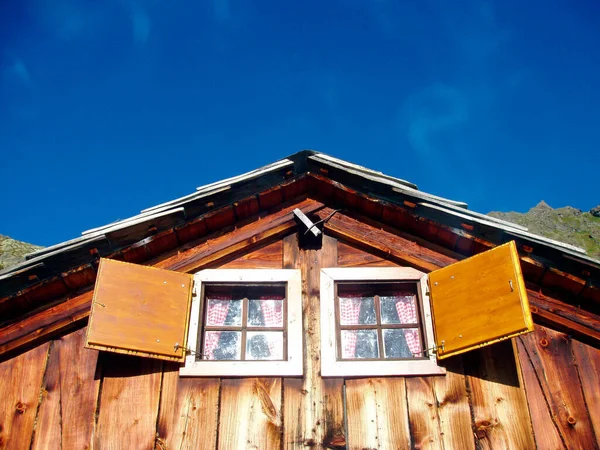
column 33, row 261
column 323, row 156
column 476, row 215
column 389, row 181
column 510, row 229
column 248, row 175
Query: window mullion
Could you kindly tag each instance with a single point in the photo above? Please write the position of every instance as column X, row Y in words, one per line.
column 244, row 327
column 378, row 320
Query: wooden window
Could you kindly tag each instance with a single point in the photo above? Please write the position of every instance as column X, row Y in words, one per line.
column 375, row 321
column 398, row 321
column 245, row 323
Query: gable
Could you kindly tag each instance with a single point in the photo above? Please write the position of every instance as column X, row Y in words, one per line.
column 227, row 223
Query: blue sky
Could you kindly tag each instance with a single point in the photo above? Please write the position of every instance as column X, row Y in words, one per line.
column 110, row 107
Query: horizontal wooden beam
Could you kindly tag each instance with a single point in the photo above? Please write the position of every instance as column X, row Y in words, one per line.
column 564, row 317
column 52, row 321
column 383, row 241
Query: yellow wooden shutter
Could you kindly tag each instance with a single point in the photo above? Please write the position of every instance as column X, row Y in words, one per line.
column 479, row 301
column 140, row 310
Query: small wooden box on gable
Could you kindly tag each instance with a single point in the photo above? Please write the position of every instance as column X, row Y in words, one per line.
column 145, row 311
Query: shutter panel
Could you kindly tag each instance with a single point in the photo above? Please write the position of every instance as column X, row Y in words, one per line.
column 479, row 301
column 140, row 310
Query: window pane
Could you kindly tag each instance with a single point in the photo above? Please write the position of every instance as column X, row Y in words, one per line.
column 402, row 343
column 222, row 345
column 357, row 310
column 359, row 344
column 220, row 312
column 265, row 313
column 264, row 345
column 398, row 309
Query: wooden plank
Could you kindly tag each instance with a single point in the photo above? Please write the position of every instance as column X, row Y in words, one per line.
column 544, row 429
column 350, row 256
column 423, row 416
column 268, row 257
column 490, row 281
column 500, row 413
column 140, row 309
column 128, row 403
column 69, row 397
column 384, row 241
column 48, row 428
column 188, row 411
column 19, row 394
column 453, row 406
column 564, row 317
column 377, row 414
column 313, row 407
column 587, row 359
column 551, row 356
column 250, row 413
column 197, row 255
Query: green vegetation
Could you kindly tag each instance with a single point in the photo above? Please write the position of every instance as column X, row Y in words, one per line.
column 569, row 225
column 13, row 252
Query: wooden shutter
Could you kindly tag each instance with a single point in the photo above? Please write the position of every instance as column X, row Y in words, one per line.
column 479, row 301
column 140, row 310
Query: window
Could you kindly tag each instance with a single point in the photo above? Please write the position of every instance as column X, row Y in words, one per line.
column 376, row 321
column 245, row 322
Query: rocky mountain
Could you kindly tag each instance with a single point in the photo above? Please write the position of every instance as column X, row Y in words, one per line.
column 13, row 252
column 567, row 224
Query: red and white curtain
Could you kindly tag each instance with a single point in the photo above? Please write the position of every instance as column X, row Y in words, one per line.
column 349, row 313
column 272, row 311
column 216, row 314
column 407, row 313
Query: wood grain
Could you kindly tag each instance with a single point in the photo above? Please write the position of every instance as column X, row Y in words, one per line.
column 188, row 415
column 453, row 406
column 128, row 403
column 19, row 394
column 383, row 241
column 545, row 431
column 141, row 309
column 551, row 357
column 313, row 407
column 377, row 414
column 350, row 256
column 268, row 257
column 587, row 359
column 424, row 421
column 69, row 397
column 250, row 414
column 500, row 413
column 197, row 255
column 479, row 300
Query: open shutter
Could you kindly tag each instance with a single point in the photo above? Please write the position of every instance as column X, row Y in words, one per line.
column 479, row 301
column 140, row 310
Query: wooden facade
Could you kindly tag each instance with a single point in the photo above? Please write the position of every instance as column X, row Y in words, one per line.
column 539, row 390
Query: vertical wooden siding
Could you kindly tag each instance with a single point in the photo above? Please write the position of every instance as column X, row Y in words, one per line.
column 116, row 401
column 561, row 379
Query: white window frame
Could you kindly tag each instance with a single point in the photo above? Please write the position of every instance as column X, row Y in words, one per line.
column 331, row 366
column 291, row 367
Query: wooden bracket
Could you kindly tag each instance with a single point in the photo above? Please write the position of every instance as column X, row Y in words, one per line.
column 306, row 221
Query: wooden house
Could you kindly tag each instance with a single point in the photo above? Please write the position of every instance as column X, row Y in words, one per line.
column 311, row 303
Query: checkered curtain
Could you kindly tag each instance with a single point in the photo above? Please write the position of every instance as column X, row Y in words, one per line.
column 218, row 307
column 272, row 311
column 407, row 313
column 349, row 312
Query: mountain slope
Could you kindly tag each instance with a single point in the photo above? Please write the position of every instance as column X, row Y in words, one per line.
column 13, row 252
column 567, row 224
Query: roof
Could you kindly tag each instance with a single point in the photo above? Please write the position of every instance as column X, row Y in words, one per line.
column 106, row 239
